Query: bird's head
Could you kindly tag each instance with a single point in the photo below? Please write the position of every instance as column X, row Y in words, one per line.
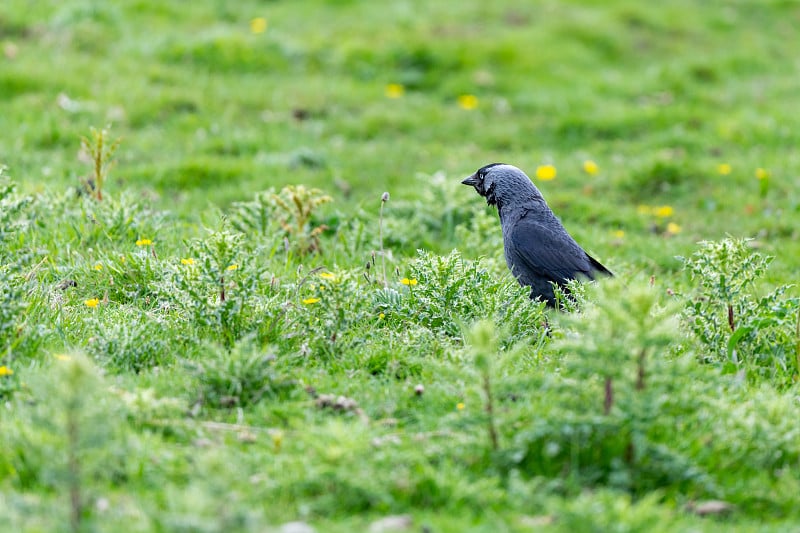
column 503, row 184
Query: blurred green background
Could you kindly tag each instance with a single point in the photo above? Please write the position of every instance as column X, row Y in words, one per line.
column 216, row 100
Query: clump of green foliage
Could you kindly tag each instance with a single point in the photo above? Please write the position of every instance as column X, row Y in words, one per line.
column 239, row 377
column 141, row 342
column 617, row 350
column 18, row 336
column 211, row 285
column 296, row 205
column 68, row 437
column 445, row 293
column 734, row 324
column 99, row 149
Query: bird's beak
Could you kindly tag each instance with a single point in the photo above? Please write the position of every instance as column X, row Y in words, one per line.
column 471, row 180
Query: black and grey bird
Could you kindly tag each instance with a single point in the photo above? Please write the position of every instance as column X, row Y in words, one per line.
column 539, row 251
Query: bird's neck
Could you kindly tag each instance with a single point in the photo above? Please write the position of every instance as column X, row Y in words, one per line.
column 506, row 214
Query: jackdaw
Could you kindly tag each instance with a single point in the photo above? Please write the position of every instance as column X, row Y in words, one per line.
column 539, row 251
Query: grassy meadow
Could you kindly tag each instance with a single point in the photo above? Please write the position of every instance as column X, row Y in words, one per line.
column 212, row 319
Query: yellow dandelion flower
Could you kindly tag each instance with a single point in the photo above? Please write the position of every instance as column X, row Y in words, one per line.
column 643, row 209
column 724, row 169
column 258, row 25
column 328, row 276
column 663, row 211
column 232, row 267
column 144, row 242
column 382, row 316
column 63, row 357
column 410, row 282
column 590, row 167
column 673, row 228
column 468, row 102
column 92, row 302
column 5, row 371
column 187, row 261
column 394, row 90
column 546, row 172
column 277, row 440
column 762, row 173
column 98, row 266
column 310, row 301
column 460, row 406
column 618, row 233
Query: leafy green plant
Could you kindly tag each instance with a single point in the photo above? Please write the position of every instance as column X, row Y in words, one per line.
column 13, row 294
column 11, row 209
column 483, row 342
column 328, row 310
column 256, row 217
column 614, row 436
column 444, row 293
column 100, row 150
column 216, row 286
column 732, row 323
column 113, row 225
column 12, row 304
column 132, row 277
column 135, row 344
column 67, row 437
column 617, row 336
column 19, row 335
column 296, row 205
column 239, row 377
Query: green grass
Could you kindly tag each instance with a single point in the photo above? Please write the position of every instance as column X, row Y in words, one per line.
column 243, row 370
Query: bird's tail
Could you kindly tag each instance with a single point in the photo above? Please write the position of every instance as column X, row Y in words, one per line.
column 598, row 267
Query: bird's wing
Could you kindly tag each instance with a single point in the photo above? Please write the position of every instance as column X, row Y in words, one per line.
column 547, row 251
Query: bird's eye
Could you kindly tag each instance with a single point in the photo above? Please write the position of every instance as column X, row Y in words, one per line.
column 481, row 175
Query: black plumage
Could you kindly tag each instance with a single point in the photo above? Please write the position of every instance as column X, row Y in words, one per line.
column 539, row 251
